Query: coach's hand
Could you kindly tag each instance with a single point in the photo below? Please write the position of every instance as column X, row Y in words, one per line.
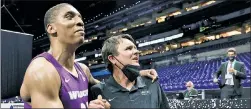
column 151, row 73
column 106, row 103
column 96, row 104
column 99, row 103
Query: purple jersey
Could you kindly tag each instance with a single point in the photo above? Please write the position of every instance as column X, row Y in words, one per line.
column 73, row 91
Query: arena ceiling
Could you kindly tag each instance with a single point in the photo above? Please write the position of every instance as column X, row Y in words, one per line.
column 29, row 13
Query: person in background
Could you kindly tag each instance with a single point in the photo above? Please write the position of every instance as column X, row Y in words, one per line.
column 232, row 72
column 190, row 92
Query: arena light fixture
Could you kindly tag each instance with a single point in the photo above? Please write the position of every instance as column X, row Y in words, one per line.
column 160, row 40
column 80, row 59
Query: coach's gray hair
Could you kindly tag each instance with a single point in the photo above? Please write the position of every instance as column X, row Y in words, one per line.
column 110, row 47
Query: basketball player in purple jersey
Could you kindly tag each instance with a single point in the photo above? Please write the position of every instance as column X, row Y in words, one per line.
column 53, row 79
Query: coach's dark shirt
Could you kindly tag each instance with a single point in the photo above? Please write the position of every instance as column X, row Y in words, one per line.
column 144, row 94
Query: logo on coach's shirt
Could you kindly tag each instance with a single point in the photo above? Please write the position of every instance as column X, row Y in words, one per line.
column 145, row 92
column 112, row 99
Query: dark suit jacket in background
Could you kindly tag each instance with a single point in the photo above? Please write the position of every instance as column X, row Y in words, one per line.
column 241, row 74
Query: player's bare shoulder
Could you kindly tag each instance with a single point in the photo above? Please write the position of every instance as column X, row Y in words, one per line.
column 85, row 69
column 41, row 70
column 83, row 66
column 39, row 75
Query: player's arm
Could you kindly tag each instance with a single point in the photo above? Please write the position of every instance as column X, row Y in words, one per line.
column 43, row 83
column 148, row 73
column 87, row 71
column 24, row 93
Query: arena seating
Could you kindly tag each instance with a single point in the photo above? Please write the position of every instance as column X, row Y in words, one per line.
column 16, row 99
column 173, row 78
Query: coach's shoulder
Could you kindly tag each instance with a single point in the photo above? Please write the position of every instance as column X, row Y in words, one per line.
column 148, row 81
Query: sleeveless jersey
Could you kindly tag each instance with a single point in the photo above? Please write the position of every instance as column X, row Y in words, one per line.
column 74, row 90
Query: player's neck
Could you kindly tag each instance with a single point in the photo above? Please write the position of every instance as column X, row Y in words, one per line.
column 121, row 79
column 64, row 55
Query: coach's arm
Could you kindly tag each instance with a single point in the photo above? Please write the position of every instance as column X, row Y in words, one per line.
column 151, row 73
